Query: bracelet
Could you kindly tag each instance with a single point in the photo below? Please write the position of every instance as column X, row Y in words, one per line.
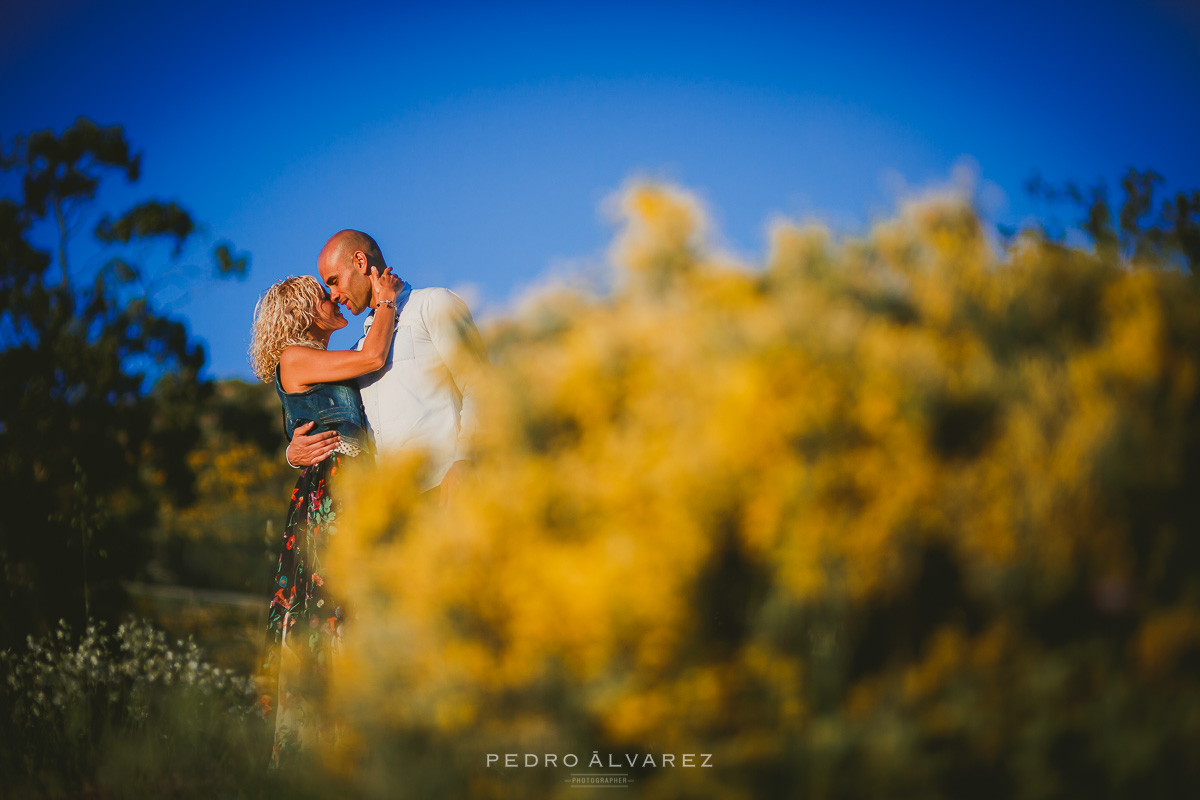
column 389, row 303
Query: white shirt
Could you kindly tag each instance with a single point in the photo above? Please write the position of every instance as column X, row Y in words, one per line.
column 425, row 396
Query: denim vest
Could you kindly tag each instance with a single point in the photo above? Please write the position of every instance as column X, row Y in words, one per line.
column 333, row 406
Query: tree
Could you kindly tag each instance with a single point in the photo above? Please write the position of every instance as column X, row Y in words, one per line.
column 1143, row 231
column 100, row 386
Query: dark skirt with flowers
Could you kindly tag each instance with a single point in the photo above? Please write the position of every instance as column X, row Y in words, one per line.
column 304, row 623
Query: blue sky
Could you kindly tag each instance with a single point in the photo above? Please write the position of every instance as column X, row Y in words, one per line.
column 477, row 142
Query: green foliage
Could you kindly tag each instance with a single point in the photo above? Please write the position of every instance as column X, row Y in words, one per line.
column 1141, row 230
column 153, row 218
column 101, row 388
column 59, row 170
column 226, row 538
column 229, row 263
column 128, row 715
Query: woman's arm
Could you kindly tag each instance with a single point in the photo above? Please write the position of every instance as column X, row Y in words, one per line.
column 305, row 366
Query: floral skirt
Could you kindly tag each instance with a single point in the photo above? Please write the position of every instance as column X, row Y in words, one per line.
column 304, row 623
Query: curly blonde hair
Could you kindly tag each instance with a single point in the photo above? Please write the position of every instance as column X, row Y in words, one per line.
column 283, row 317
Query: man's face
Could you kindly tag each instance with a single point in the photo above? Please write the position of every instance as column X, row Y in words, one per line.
column 347, row 282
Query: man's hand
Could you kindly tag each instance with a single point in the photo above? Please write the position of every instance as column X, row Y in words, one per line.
column 457, row 483
column 305, row 450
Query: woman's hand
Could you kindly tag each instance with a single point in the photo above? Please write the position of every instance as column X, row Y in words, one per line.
column 385, row 285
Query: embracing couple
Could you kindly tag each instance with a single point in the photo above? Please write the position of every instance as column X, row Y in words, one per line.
column 410, row 383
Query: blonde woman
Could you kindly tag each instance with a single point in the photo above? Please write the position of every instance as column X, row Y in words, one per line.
column 292, row 325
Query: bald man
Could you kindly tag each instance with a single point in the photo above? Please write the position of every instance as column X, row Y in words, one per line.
column 425, row 397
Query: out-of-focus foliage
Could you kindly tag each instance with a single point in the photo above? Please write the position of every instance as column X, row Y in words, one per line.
column 126, row 715
column 100, row 393
column 217, row 555
column 224, row 539
column 1141, row 231
column 904, row 515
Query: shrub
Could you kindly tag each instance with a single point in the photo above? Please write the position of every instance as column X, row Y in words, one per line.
column 127, row 715
column 912, row 514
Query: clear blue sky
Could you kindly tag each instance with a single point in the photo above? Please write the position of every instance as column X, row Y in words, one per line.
column 477, row 142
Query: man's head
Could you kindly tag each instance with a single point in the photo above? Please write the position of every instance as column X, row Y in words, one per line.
column 344, row 264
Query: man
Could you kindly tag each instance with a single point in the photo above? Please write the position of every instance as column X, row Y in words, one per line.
column 425, row 397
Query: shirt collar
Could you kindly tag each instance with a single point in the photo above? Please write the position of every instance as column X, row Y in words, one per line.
column 401, row 299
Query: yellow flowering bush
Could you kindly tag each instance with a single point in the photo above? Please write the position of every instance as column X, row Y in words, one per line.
column 905, row 514
column 227, row 536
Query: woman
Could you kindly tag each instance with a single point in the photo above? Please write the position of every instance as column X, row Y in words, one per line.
column 292, row 325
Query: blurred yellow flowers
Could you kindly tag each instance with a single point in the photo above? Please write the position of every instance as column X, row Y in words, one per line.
column 698, row 498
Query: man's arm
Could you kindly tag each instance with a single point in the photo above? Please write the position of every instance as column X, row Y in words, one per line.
column 457, row 340
column 305, row 450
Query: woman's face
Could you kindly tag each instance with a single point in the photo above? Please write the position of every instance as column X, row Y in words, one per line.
column 329, row 317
